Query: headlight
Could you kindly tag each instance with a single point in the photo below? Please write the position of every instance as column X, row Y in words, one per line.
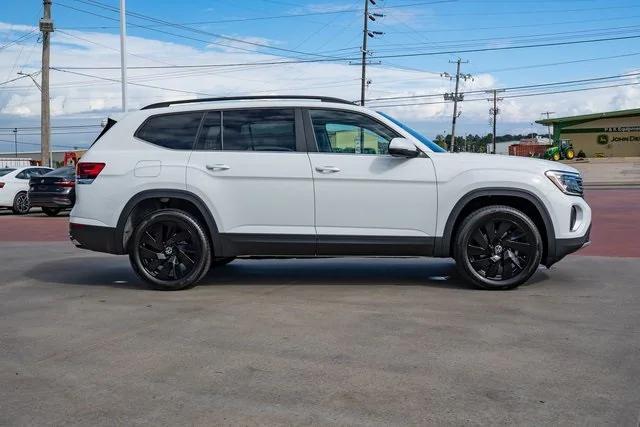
column 568, row 182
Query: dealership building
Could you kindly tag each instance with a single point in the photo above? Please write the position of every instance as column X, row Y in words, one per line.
column 611, row 134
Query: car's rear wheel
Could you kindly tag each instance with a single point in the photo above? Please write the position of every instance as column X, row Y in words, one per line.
column 51, row 211
column 498, row 247
column 21, row 203
column 170, row 250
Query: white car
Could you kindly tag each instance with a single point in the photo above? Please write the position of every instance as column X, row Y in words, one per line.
column 181, row 186
column 14, row 187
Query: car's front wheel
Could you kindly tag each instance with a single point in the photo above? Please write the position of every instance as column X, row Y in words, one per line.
column 498, row 247
column 170, row 250
column 21, row 203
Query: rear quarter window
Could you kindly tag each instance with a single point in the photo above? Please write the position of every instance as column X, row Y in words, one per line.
column 175, row 131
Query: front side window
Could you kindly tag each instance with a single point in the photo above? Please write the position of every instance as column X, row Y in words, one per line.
column 175, row 131
column 347, row 132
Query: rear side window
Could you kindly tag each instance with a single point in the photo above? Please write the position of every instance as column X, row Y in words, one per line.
column 63, row 172
column 249, row 130
column 175, row 131
column 3, row 172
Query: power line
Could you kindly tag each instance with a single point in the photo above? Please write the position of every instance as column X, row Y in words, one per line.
column 511, row 96
column 511, row 88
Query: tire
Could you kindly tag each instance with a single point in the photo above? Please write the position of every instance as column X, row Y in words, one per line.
column 170, row 250
column 221, row 262
column 570, row 154
column 497, row 248
column 51, row 211
column 21, row 204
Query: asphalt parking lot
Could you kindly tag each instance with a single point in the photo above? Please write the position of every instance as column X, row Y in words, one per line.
column 347, row 342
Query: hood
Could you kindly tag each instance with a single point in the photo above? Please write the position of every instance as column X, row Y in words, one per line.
column 500, row 161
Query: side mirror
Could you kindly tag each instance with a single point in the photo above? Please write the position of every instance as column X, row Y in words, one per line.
column 402, row 147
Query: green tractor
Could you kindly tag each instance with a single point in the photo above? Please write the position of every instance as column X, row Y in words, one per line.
column 563, row 150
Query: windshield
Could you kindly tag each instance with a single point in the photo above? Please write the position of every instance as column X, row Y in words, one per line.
column 417, row 135
column 5, row 171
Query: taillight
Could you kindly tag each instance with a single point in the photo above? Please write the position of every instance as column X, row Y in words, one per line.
column 66, row 183
column 87, row 172
column 1, row 184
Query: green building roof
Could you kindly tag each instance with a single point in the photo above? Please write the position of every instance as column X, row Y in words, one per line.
column 589, row 117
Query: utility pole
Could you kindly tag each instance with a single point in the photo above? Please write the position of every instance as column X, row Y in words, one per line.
column 15, row 139
column 494, row 113
column 366, row 33
column 548, row 113
column 455, row 97
column 46, row 27
column 123, row 53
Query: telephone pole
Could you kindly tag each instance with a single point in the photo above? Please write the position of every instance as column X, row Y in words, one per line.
column 46, row 27
column 123, row 53
column 366, row 33
column 494, row 113
column 455, row 97
column 548, row 113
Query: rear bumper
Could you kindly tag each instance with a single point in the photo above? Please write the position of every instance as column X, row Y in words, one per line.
column 94, row 238
column 564, row 247
column 51, row 200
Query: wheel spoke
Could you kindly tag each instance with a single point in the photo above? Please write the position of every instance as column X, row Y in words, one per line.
column 527, row 248
column 476, row 250
column 503, row 230
column 151, row 241
column 177, row 238
column 148, row 253
column 493, row 269
column 481, row 263
column 491, row 231
column 507, row 268
column 480, row 239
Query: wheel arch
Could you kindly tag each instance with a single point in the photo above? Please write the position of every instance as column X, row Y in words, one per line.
column 520, row 199
column 150, row 200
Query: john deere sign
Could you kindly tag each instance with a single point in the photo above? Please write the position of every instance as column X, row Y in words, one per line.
column 603, row 139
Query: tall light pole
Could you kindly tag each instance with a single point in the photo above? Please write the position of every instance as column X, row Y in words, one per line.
column 123, row 53
column 549, row 113
column 46, row 27
column 494, row 115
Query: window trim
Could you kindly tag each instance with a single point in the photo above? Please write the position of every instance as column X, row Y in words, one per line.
column 312, row 143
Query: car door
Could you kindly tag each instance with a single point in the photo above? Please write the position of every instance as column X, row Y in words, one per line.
column 368, row 202
column 251, row 167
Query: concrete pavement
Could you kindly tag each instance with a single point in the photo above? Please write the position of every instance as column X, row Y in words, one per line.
column 342, row 342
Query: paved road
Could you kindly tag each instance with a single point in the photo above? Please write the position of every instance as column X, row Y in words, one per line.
column 349, row 342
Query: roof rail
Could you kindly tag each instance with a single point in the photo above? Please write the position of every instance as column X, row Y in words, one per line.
column 245, row 98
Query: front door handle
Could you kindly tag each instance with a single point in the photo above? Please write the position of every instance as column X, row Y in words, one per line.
column 218, row 167
column 327, row 169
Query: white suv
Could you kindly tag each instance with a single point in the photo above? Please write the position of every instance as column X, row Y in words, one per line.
column 186, row 185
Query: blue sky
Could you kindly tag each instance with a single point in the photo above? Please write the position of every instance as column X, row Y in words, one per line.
column 330, row 28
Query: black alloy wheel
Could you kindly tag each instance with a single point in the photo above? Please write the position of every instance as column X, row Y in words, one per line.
column 21, row 203
column 170, row 250
column 498, row 247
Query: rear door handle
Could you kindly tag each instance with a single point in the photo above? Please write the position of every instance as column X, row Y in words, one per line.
column 327, row 169
column 218, row 167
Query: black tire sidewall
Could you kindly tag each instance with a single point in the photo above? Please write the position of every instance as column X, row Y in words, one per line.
column 470, row 225
column 202, row 266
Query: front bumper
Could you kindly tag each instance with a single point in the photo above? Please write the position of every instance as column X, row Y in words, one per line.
column 94, row 238
column 564, row 247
